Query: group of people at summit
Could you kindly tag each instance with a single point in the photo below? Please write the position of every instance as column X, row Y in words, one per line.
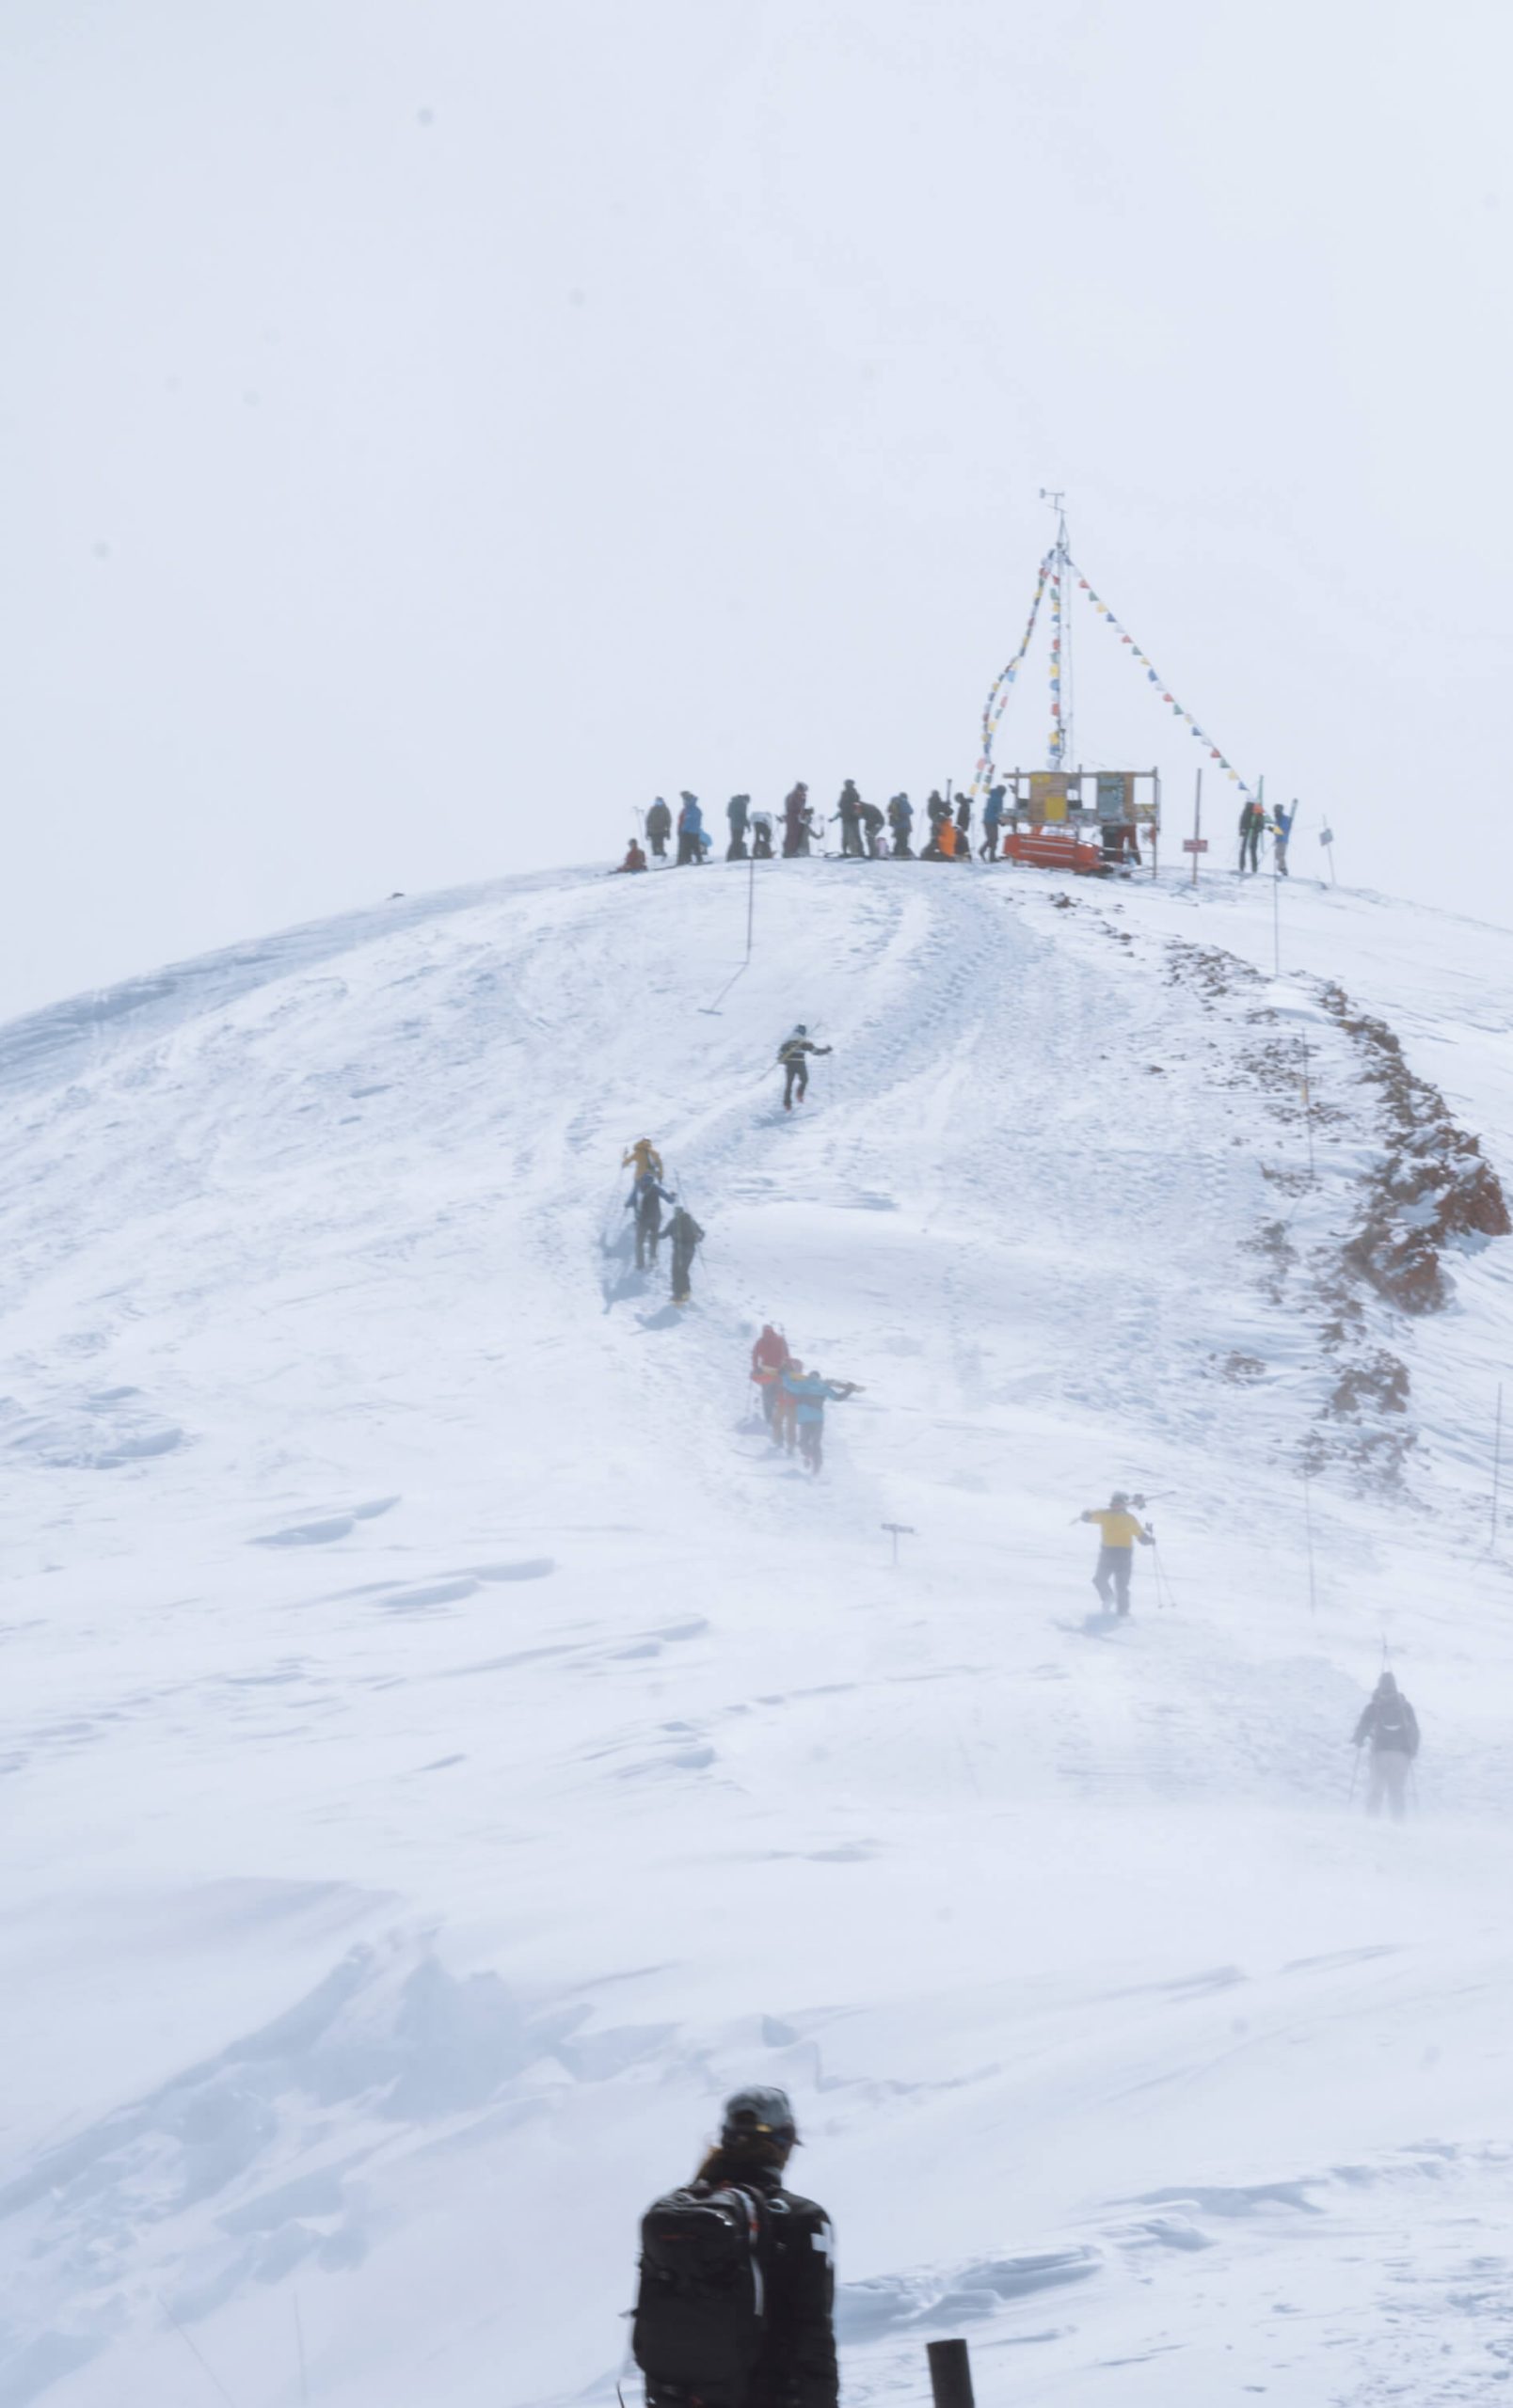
column 866, row 832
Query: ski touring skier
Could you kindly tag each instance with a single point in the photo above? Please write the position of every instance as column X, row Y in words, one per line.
column 811, row 1391
column 738, row 812
column 735, row 2307
column 683, row 1234
column 1121, row 1532
column 1391, row 1726
column 646, row 1200
column 770, row 1360
column 690, row 832
column 658, row 828
column 793, row 1059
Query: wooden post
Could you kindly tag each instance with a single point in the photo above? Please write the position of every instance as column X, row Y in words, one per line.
column 950, row 2374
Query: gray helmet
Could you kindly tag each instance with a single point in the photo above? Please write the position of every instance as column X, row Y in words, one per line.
column 758, row 2116
column 1118, row 1497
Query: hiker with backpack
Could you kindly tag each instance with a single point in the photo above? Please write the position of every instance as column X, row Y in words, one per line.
column 658, row 828
column 770, row 1360
column 792, row 1057
column 1121, row 1532
column 736, row 2303
column 683, row 1234
column 1391, row 1726
column 645, row 1199
column 901, row 820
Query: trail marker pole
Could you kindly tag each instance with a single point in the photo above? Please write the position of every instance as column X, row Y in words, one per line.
column 897, row 1531
column 711, row 1012
column 950, row 2374
column 1197, row 824
column 1327, row 840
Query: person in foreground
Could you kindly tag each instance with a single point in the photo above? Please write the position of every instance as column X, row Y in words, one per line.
column 1391, row 1726
column 736, row 2303
column 1121, row 1532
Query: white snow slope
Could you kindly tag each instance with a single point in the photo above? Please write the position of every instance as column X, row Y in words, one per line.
column 446, row 1750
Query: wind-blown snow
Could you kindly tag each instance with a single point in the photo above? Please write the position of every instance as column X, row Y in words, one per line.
column 446, row 1750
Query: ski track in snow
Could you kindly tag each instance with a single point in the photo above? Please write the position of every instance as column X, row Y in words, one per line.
column 445, row 1748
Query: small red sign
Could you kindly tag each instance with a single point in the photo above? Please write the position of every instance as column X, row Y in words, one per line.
column 1195, row 844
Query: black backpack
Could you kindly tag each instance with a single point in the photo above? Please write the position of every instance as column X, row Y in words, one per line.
column 702, row 2302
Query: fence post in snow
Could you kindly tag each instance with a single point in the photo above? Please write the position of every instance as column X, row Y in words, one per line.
column 950, row 2374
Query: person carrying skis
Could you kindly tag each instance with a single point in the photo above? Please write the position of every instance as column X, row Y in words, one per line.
column 646, row 1200
column 1121, row 1532
column 901, row 820
column 770, row 1360
column 641, row 1157
column 1252, row 821
column 636, row 859
column 795, row 821
column 848, row 813
column 810, row 1391
column 1391, row 1726
column 792, row 1055
column 658, row 828
column 735, row 2307
column 684, row 1233
column 738, row 811
column 761, row 835
column 690, row 832
column 992, row 822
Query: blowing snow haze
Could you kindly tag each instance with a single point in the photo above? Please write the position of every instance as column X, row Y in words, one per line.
column 796, row 1482
column 430, row 431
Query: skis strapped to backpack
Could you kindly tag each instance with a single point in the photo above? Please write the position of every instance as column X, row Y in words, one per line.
column 702, row 2303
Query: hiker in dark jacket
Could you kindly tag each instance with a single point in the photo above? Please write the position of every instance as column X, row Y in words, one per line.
column 1391, row 1726
column 738, row 811
column 795, row 2364
column 848, row 813
column 793, row 1059
column 795, row 821
column 646, row 1200
column 658, row 828
column 901, row 820
column 1253, row 827
column 684, row 1233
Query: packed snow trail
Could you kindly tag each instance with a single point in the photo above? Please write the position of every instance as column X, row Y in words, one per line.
column 447, row 1747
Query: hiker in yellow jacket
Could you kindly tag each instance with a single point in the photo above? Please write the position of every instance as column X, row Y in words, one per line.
column 1121, row 1532
column 646, row 1158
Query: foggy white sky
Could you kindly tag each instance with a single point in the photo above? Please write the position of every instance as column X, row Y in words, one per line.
column 432, row 427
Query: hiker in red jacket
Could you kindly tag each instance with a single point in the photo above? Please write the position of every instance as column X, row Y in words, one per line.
column 770, row 1360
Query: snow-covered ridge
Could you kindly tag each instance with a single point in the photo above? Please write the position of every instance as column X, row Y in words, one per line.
column 445, row 1748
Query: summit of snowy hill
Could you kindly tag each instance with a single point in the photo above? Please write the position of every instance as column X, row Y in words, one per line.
column 447, row 1747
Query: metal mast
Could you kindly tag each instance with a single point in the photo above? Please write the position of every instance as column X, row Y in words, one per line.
column 1062, row 556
